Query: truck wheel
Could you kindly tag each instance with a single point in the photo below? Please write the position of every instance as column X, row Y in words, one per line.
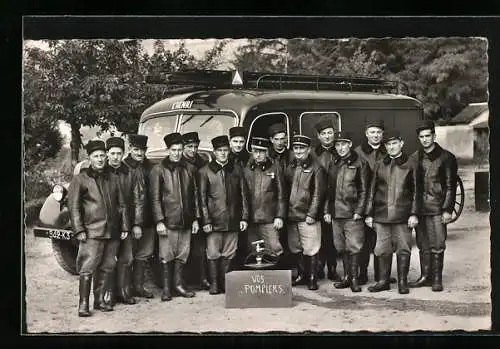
column 65, row 252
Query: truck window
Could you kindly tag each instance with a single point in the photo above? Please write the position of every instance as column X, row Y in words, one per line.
column 308, row 120
column 156, row 129
column 260, row 125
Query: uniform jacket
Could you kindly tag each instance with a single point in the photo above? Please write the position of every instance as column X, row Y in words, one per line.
column 223, row 196
column 282, row 159
column 324, row 156
column 306, row 188
column 96, row 204
column 393, row 195
column 438, row 181
column 348, row 183
column 174, row 194
column 240, row 158
column 267, row 196
column 370, row 155
column 142, row 210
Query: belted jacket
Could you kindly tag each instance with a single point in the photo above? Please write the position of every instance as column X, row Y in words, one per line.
column 393, row 195
column 96, row 204
column 267, row 192
column 174, row 194
column 223, row 196
column 348, row 184
column 306, row 188
column 437, row 175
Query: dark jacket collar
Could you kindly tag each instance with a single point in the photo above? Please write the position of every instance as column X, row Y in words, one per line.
column 264, row 166
column 274, row 154
column 399, row 161
column 242, row 155
column 433, row 155
column 122, row 169
column 95, row 174
column 320, row 150
column 349, row 160
column 166, row 162
column 129, row 161
column 304, row 164
column 215, row 166
column 368, row 149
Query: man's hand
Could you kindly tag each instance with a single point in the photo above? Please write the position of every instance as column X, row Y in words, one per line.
column 161, row 228
column 243, row 225
column 207, row 228
column 137, row 230
column 124, row 235
column 446, row 217
column 81, row 236
column 412, row 222
column 278, row 223
column 310, row 220
column 369, row 221
column 195, row 227
column 327, row 218
column 356, row 217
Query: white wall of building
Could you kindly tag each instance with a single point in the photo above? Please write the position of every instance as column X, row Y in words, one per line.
column 459, row 139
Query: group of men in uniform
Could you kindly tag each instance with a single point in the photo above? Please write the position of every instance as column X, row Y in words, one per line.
column 308, row 205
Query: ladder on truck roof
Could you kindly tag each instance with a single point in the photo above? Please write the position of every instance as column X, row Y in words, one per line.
column 192, row 80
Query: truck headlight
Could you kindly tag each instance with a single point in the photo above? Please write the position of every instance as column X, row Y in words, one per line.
column 58, row 192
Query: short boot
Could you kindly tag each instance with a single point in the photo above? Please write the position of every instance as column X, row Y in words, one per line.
column 403, row 264
column 346, row 281
column 179, row 280
column 139, row 290
column 224, row 269
column 84, row 290
column 425, row 271
column 354, row 264
column 101, row 283
column 122, row 289
column 213, row 270
column 384, row 265
column 437, row 271
column 204, row 283
column 300, row 279
column 312, row 281
column 167, row 270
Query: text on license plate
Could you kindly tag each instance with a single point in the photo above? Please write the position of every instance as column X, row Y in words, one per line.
column 58, row 234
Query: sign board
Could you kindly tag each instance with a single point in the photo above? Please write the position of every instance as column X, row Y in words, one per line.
column 259, row 289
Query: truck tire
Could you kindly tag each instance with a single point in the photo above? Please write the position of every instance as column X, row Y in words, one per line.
column 65, row 252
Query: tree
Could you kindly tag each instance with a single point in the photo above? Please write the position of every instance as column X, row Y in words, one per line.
column 262, row 55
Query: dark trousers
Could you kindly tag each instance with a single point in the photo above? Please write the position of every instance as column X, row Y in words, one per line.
column 368, row 247
column 241, row 251
column 327, row 252
column 193, row 272
column 96, row 254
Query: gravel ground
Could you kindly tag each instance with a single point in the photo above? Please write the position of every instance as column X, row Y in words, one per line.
column 52, row 296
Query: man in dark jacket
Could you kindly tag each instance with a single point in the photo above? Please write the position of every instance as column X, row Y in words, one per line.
column 392, row 210
column 196, row 265
column 224, row 211
column 305, row 179
column 119, row 290
column 267, row 197
column 144, row 234
column 98, row 212
column 438, row 177
column 325, row 154
column 372, row 151
column 175, row 200
column 279, row 152
column 345, row 206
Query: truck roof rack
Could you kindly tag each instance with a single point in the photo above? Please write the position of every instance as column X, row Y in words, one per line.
column 222, row 79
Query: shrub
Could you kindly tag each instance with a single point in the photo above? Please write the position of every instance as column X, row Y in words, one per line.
column 35, row 186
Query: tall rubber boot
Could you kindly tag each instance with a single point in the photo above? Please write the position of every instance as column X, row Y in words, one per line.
column 312, row 281
column 84, row 290
column 425, row 271
column 122, row 294
column 364, row 261
column 167, row 271
column 139, row 290
column 101, row 282
column 437, row 270
column 346, row 281
column 384, row 270
column 331, row 265
column 224, row 269
column 204, row 284
column 179, row 280
column 301, row 273
column 213, row 271
column 111, row 289
column 354, row 264
column 403, row 262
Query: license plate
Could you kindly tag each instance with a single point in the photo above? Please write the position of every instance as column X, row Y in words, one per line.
column 59, row 234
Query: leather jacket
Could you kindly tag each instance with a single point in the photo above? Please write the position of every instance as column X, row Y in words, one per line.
column 223, row 196
column 369, row 154
column 267, row 196
column 306, row 188
column 198, row 162
column 174, row 194
column 438, row 180
column 324, row 156
column 348, row 183
column 240, row 158
column 96, row 204
column 393, row 195
column 282, row 159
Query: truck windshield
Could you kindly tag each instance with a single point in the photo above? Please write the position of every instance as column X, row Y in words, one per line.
column 208, row 126
column 156, row 129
